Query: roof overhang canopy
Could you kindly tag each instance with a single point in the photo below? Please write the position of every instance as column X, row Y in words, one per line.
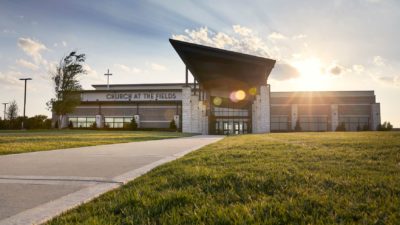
column 215, row 68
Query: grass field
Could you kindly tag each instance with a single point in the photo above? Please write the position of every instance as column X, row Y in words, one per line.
column 12, row 142
column 293, row 178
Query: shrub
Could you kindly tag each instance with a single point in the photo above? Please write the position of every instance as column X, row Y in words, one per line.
column 341, row 127
column 298, row 126
column 134, row 125
column 172, row 125
column 70, row 125
column 94, row 125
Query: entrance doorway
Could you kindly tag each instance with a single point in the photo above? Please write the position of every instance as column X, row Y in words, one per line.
column 227, row 127
column 230, row 118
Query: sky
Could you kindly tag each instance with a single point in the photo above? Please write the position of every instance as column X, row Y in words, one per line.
column 319, row 45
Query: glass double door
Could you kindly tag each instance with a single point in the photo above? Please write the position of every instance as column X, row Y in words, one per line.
column 227, row 127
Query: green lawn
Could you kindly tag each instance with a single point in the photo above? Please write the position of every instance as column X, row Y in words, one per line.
column 29, row 141
column 293, row 178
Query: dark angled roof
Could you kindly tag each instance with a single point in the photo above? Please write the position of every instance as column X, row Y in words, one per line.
column 218, row 68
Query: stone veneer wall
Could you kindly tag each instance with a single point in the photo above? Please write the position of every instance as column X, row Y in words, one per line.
column 261, row 111
column 194, row 118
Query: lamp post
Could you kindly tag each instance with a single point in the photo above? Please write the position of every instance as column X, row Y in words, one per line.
column 5, row 109
column 23, row 119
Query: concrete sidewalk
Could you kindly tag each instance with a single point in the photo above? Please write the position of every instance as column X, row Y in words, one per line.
column 35, row 187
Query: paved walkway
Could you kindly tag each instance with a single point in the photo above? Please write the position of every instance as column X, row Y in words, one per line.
column 36, row 186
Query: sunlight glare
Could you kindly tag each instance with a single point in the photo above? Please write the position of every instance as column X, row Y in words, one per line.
column 312, row 76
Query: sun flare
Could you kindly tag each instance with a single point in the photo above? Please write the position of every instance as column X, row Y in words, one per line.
column 312, row 75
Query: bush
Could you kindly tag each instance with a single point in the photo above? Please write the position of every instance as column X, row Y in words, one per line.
column 386, row 126
column 94, row 125
column 172, row 125
column 134, row 125
column 341, row 127
column 70, row 125
column 298, row 126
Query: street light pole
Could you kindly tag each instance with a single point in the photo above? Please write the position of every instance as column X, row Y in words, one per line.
column 23, row 119
column 5, row 109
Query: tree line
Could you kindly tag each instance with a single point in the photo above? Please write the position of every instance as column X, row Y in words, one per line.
column 12, row 121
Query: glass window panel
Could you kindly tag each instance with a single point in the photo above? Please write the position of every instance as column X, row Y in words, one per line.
column 109, row 119
column 91, row 119
column 274, row 119
column 118, row 120
column 128, row 119
column 118, row 125
column 354, row 119
column 80, row 124
column 81, row 119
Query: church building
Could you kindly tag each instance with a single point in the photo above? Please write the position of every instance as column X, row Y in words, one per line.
column 230, row 95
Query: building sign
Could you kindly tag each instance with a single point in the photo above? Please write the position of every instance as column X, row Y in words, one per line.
column 132, row 96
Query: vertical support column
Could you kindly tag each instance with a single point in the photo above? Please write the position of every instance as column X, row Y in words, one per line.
column 186, row 110
column 54, row 118
column 255, row 114
column 137, row 119
column 334, row 117
column 64, row 122
column 194, row 86
column 99, row 121
column 295, row 116
column 176, row 120
column 195, row 116
column 264, row 109
column 186, row 76
column 375, row 116
column 261, row 111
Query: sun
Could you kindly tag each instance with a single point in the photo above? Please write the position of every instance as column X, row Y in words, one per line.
column 312, row 75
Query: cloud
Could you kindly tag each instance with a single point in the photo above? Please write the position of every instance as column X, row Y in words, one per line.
column 358, row 68
column 64, row 43
column 244, row 31
column 32, row 48
column 27, row 64
column 127, row 69
column 10, row 79
column 7, row 31
column 284, row 71
column 157, row 67
column 374, row 1
column 336, row 70
column 276, row 36
column 391, row 80
column 242, row 40
column 222, row 39
column 378, row 61
column 299, row 36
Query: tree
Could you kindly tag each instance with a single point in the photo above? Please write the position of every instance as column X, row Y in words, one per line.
column 12, row 111
column 66, row 85
column 386, row 126
column 36, row 122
